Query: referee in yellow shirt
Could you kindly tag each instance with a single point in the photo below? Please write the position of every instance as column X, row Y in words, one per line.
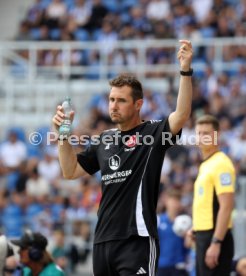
column 213, row 203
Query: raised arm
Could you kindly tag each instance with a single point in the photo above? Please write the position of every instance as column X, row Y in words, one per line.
column 67, row 155
column 183, row 109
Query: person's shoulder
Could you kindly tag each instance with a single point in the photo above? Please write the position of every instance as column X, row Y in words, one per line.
column 52, row 270
column 109, row 131
column 154, row 122
column 157, row 123
column 26, row 271
column 221, row 161
column 58, row 270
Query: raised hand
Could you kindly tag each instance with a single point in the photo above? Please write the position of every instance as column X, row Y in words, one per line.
column 185, row 55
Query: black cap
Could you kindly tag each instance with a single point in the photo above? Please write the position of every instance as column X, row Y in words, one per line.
column 36, row 240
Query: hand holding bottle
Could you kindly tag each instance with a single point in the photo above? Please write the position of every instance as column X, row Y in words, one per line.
column 63, row 118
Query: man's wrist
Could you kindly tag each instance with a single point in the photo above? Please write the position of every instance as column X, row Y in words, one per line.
column 216, row 241
column 185, row 68
column 187, row 72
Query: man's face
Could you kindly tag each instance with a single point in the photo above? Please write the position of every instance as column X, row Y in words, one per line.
column 122, row 108
column 173, row 204
column 12, row 137
column 24, row 257
column 206, row 136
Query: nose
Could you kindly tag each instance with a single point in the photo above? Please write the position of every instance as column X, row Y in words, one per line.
column 114, row 105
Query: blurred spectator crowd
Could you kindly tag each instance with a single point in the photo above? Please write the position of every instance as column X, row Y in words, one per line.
column 33, row 193
column 132, row 19
column 107, row 21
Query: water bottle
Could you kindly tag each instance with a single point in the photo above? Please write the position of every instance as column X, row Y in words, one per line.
column 65, row 127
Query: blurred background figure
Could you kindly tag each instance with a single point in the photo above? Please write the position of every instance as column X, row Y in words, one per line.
column 34, row 257
column 13, row 154
column 173, row 253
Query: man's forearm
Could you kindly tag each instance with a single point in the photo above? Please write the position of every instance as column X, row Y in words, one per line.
column 183, row 108
column 222, row 222
column 182, row 113
column 67, row 158
column 184, row 100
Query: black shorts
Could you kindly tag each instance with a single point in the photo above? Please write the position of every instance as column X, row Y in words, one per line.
column 203, row 240
column 133, row 256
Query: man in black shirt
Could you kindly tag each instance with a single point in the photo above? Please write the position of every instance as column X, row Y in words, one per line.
column 130, row 159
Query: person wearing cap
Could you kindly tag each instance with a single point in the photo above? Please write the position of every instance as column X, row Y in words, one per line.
column 5, row 251
column 34, row 256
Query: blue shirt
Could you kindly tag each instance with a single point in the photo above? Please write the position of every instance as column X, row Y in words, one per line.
column 50, row 270
column 172, row 249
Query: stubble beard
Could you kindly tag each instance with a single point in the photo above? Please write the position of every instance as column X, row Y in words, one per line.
column 116, row 120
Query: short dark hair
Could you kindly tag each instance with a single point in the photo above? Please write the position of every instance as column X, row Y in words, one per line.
column 208, row 119
column 131, row 81
column 174, row 193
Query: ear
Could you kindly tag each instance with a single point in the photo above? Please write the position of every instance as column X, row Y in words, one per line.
column 138, row 104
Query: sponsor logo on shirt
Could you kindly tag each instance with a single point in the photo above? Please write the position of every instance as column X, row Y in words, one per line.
column 225, row 179
column 114, row 162
column 200, row 191
column 116, row 177
column 132, row 141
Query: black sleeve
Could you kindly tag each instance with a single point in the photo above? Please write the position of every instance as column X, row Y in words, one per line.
column 164, row 137
column 88, row 159
column 174, row 138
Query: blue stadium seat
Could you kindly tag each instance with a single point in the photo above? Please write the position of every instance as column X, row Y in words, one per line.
column 33, row 151
column 45, row 3
column 112, row 5
column 56, row 212
column 81, row 35
column 70, row 4
column 207, row 32
column 12, row 181
column 35, row 33
column 126, row 4
column 43, row 132
column 55, row 34
column 12, row 220
column 96, row 34
column 125, row 17
column 19, row 131
column 32, row 211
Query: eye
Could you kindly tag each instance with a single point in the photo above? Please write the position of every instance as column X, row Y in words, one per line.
column 122, row 100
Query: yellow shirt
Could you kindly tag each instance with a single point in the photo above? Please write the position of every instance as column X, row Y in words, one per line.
column 216, row 176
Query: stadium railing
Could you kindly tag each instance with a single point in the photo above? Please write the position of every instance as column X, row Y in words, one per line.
column 32, row 89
